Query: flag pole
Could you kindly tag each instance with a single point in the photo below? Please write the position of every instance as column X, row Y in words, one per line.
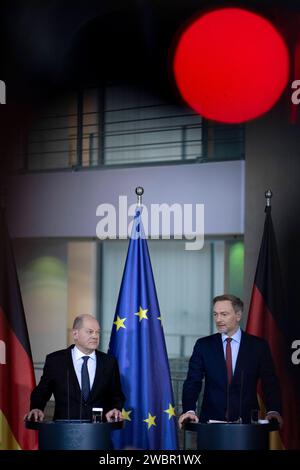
column 138, row 343
column 139, row 191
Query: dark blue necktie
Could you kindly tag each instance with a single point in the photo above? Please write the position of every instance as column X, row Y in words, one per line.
column 85, row 379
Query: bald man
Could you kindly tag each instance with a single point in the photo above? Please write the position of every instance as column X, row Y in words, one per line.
column 80, row 378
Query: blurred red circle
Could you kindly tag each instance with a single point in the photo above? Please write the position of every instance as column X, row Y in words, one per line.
column 231, row 65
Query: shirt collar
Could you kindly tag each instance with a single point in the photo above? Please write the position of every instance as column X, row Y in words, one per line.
column 236, row 337
column 78, row 354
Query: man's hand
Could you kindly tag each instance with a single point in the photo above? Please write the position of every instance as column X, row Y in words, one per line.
column 275, row 415
column 189, row 416
column 34, row 415
column 114, row 415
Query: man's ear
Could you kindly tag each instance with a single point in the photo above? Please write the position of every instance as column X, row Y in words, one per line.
column 239, row 316
column 75, row 334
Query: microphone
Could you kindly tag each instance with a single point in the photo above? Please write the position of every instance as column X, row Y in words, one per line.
column 68, row 393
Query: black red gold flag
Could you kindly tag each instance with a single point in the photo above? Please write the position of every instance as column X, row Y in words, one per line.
column 268, row 318
column 16, row 367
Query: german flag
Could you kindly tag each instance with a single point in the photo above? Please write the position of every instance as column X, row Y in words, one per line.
column 16, row 368
column 269, row 319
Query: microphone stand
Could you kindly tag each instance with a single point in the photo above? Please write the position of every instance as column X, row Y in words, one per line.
column 80, row 409
column 68, row 393
column 227, row 404
column 241, row 395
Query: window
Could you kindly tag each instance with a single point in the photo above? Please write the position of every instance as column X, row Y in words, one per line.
column 193, row 278
column 123, row 125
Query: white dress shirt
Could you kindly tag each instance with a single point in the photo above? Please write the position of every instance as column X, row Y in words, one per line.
column 235, row 346
column 77, row 356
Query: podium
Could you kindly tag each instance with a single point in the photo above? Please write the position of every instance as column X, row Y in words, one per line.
column 223, row 436
column 74, row 434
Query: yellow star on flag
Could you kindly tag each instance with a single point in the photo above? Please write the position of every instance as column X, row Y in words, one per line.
column 126, row 414
column 159, row 318
column 150, row 420
column 170, row 411
column 120, row 323
column 142, row 314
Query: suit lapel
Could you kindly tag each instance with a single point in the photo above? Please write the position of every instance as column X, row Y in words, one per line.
column 219, row 351
column 98, row 375
column 74, row 384
column 240, row 358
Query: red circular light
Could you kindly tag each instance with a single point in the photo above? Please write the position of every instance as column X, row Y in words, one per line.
column 231, row 65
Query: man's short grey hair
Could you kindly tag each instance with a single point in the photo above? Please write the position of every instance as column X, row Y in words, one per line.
column 237, row 304
column 78, row 322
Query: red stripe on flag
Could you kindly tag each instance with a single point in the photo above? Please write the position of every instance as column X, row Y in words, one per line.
column 16, row 382
column 262, row 323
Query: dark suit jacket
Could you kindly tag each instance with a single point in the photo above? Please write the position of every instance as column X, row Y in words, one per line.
column 254, row 362
column 59, row 377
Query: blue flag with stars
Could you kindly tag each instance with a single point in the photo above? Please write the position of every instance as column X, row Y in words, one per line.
column 137, row 341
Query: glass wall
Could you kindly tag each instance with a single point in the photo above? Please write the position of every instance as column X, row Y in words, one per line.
column 186, row 282
column 62, row 278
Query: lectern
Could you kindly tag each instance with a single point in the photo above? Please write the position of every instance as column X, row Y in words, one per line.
column 73, row 434
column 223, row 436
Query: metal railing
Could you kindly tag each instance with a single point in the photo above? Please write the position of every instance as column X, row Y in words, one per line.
column 137, row 135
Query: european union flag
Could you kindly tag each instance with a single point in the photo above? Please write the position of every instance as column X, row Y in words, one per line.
column 137, row 341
